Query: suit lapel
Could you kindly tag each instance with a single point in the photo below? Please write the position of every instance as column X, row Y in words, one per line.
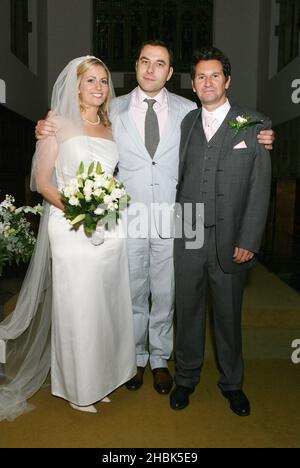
column 224, row 135
column 185, row 138
column 168, row 131
column 228, row 133
column 130, row 127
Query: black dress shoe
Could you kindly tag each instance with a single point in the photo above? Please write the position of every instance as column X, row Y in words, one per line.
column 239, row 403
column 137, row 381
column 162, row 380
column 179, row 398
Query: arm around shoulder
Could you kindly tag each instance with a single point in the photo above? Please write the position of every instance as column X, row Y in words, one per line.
column 43, row 167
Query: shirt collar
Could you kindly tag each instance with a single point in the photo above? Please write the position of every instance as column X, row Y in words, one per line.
column 160, row 98
column 220, row 113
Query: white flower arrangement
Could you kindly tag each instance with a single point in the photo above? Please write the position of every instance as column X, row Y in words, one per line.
column 17, row 239
column 93, row 199
column 243, row 121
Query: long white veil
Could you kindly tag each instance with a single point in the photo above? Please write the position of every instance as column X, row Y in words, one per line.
column 25, row 335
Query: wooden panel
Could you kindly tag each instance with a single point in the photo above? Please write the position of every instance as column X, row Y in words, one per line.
column 295, row 280
column 281, row 247
column 285, row 218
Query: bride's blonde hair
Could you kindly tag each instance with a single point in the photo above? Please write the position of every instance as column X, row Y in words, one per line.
column 103, row 111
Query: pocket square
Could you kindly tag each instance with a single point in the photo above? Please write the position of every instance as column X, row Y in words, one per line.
column 241, row 145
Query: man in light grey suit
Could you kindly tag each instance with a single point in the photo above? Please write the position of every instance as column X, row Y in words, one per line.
column 149, row 171
column 223, row 166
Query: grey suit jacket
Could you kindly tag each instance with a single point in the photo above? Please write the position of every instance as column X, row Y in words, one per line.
column 150, row 181
column 242, row 185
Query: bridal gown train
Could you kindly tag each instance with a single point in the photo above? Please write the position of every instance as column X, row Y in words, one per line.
column 93, row 348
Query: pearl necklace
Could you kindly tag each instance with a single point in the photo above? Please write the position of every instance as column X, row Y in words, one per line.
column 92, row 123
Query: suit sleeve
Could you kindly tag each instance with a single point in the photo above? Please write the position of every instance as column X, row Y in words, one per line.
column 256, row 209
column 183, row 135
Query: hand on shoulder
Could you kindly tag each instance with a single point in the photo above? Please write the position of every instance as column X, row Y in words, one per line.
column 46, row 127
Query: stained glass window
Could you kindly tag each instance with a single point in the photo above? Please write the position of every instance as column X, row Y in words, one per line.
column 120, row 27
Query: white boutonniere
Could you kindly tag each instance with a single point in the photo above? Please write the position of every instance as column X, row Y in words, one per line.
column 243, row 121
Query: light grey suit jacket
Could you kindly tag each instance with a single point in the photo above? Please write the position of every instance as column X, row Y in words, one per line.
column 150, row 181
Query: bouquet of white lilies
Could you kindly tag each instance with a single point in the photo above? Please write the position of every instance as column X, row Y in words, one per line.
column 17, row 239
column 93, row 199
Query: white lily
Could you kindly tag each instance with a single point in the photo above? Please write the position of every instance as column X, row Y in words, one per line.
column 241, row 119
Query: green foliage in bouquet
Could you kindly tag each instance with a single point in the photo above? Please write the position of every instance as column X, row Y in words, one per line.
column 17, row 239
column 93, row 197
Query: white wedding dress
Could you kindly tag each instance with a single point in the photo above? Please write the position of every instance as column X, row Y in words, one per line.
column 93, row 349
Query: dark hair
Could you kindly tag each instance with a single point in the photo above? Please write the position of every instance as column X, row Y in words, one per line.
column 210, row 53
column 156, row 42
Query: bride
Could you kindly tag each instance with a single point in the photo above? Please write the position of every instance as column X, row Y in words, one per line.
column 92, row 341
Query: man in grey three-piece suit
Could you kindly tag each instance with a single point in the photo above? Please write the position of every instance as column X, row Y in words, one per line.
column 222, row 166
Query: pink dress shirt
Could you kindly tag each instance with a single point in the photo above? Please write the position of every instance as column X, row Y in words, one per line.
column 138, row 109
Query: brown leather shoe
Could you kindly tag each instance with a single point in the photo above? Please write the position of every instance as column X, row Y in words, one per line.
column 162, row 380
column 137, row 381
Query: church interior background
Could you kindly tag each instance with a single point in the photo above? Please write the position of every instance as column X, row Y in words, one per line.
column 112, row 30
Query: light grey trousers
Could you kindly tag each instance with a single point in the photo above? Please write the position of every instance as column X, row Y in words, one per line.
column 152, row 273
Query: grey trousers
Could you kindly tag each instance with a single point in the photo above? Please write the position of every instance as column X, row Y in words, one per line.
column 195, row 272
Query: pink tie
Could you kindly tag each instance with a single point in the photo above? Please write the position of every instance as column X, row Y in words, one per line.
column 209, row 127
